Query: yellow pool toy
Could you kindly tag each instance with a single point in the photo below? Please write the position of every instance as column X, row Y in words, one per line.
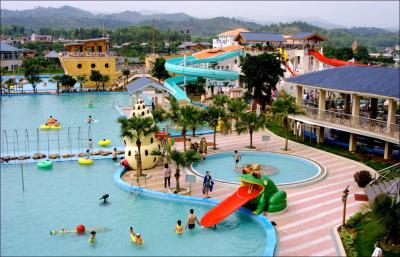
column 104, row 142
column 45, row 127
column 133, row 238
column 85, row 161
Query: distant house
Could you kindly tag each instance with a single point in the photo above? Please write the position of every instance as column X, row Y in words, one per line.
column 11, row 57
column 41, row 38
column 191, row 46
column 28, row 53
column 227, row 38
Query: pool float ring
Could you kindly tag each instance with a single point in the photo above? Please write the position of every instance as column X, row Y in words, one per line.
column 124, row 162
column 80, row 228
column 85, row 161
column 247, row 170
column 133, row 238
column 255, row 166
column 47, row 164
column 179, row 229
column 92, row 240
column 45, row 127
column 104, row 142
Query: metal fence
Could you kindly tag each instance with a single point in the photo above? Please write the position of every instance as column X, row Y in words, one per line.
column 24, row 142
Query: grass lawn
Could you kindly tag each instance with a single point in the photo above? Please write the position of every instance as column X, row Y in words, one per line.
column 368, row 231
column 375, row 162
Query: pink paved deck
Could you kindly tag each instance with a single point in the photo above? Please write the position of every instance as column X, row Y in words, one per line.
column 313, row 210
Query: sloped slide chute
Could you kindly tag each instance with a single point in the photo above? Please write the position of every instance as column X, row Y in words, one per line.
column 332, row 62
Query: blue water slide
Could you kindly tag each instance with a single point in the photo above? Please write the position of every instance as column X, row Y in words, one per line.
column 176, row 65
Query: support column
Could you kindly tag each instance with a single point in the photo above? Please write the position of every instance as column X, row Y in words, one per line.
column 352, row 143
column 133, row 101
column 320, row 134
column 387, row 154
column 391, row 118
column 299, row 94
column 355, row 110
column 347, row 103
column 374, row 108
column 322, row 101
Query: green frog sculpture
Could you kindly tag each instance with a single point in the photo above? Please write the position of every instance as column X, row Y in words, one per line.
column 270, row 198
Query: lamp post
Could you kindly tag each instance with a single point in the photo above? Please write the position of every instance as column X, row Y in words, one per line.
column 184, row 58
column 344, row 200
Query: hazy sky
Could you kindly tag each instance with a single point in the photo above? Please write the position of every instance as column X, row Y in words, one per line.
column 347, row 13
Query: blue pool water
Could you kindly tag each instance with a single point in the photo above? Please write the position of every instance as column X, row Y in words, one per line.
column 287, row 169
column 68, row 195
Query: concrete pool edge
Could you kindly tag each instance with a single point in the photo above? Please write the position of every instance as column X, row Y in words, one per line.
column 269, row 230
column 322, row 171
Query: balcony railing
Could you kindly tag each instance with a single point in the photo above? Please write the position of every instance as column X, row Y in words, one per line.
column 357, row 122
column 88, row 54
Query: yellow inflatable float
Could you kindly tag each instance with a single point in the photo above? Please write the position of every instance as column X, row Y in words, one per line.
column 85, row 161
column 104, row 142
column 46, row 127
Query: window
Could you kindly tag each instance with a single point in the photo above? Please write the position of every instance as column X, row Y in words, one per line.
column 144, row 106
column 124, row 142
column 79, row 66
column 159, row 147
column 151, row 140
column 142, row 113
column 106, row 65
column 129, row 153
column 148, row 111
column 138, row 107
column 155, row 159
column 146, row 152
column 93, row 65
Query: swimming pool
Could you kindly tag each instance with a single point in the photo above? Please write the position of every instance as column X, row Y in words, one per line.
column 283, row 169
column 68, row 195
column 30, row 111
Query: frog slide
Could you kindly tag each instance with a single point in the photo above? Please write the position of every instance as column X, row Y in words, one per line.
column 264, row 196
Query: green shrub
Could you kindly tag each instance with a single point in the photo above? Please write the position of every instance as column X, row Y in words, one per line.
column 355, row 219
column 381, row 204
column 348, row 243
column 362, row 178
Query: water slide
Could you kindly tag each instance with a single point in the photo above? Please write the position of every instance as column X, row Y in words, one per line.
column 176, row 65
column 228, row 206
column 330, row 61
column 290, row 70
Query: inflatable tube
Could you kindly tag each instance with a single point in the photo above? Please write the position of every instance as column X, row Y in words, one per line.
column 45, row 127
column 85, row 161
column 179, row 229
column 133, row 238
column 104, row 142
column 47, row 164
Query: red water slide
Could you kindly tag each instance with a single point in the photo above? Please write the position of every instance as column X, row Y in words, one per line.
column 229, row 205
column 332, row 62
column 290, row 70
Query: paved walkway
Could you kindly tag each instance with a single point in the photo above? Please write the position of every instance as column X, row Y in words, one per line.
column 305, row 229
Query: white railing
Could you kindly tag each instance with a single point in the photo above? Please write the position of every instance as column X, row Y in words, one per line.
column 357, row 122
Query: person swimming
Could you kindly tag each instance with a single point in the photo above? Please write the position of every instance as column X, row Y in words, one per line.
column 90, row 119
column 92, row 237
column 139, row 240
column 50, row 121
column 104, row 198
column 178, row 227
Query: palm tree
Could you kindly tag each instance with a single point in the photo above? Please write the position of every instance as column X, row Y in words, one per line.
column 387, row 210
column 212, row 115
column 104, row 79
column 57, row 79
column 126, row 73
column 249, row 122
column 164, row 152
column 186, row 115
column 220, row 100
column 196, row 120
column 183, row 159
column 282, row 108
column 159, row 115
column 134, row 129
column 236, row 108
column 10, row 82
column 81, row 79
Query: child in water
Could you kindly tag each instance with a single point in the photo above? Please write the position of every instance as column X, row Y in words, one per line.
column 139, row 240
column 178, row 227
column 92, row 237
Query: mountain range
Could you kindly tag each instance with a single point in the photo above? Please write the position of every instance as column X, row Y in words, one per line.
column 70, row 17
